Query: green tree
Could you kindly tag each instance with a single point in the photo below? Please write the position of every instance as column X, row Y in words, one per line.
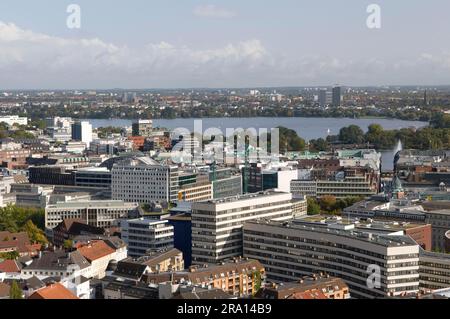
column 68, row 244
column 13, row 255
column 15, row 292
column 328, row 203
column 290, row 141
column 36, row 235
column 319, row 145
column 352, row 134
column 313, row 207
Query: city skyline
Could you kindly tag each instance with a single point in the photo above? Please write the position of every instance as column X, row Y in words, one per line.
column 219, row 44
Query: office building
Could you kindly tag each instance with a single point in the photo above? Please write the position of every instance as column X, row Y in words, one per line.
column 146, row 235
column 143, row 180
column 227, row 187
column 82, row 131
column 195, row 192
column 289, row 251
column 102, row 214
column 217, row 224
column 51, row 175
column 99, row 177
column 352, row 182
column 434, row 269
column 440, row 223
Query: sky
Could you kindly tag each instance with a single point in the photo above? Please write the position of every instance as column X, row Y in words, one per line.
column 138, row 44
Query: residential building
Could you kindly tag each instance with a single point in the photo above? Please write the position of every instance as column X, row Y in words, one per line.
column 58, row 263
column 155, row 262
column 238, row 277
column 68, row 229
column 313, row 287
column 99, row 254
column 217, row 224
column 54, row 291
column 18, row 242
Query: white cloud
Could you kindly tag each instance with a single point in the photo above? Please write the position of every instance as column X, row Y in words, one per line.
column 212, row 11
column 34, row 60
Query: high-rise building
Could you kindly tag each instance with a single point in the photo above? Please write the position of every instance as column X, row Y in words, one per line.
column 337, row 96
column 325, row 98
column 142, row 128
column 147, row 235
column 143, row 180
column 82, row 131
column 217, row 224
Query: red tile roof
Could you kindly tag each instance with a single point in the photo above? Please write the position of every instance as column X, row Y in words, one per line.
column 55, row 291
column 96, row 250
column 9, row 266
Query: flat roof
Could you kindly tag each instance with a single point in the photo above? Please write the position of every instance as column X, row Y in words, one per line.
column 383, row 240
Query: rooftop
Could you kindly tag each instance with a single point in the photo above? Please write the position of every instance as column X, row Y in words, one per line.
column 96, row 250
column 269, row 193
column 382, row 240
column 54, row 291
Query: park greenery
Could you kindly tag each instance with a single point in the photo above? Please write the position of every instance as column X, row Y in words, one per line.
column 330, row 205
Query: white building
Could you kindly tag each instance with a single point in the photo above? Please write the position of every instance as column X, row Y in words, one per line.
column 144, row 180
column 14, row 119
column 82, row 131
column 290, row 251
column 104, row 213
column 143, row 235
column 74, row 147
column 217, row 224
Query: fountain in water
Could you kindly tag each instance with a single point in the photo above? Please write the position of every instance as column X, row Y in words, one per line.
column 399, row 147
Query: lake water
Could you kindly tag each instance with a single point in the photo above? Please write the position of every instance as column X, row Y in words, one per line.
column 307, row 128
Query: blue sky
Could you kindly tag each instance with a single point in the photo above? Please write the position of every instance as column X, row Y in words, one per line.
column 193, row 43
